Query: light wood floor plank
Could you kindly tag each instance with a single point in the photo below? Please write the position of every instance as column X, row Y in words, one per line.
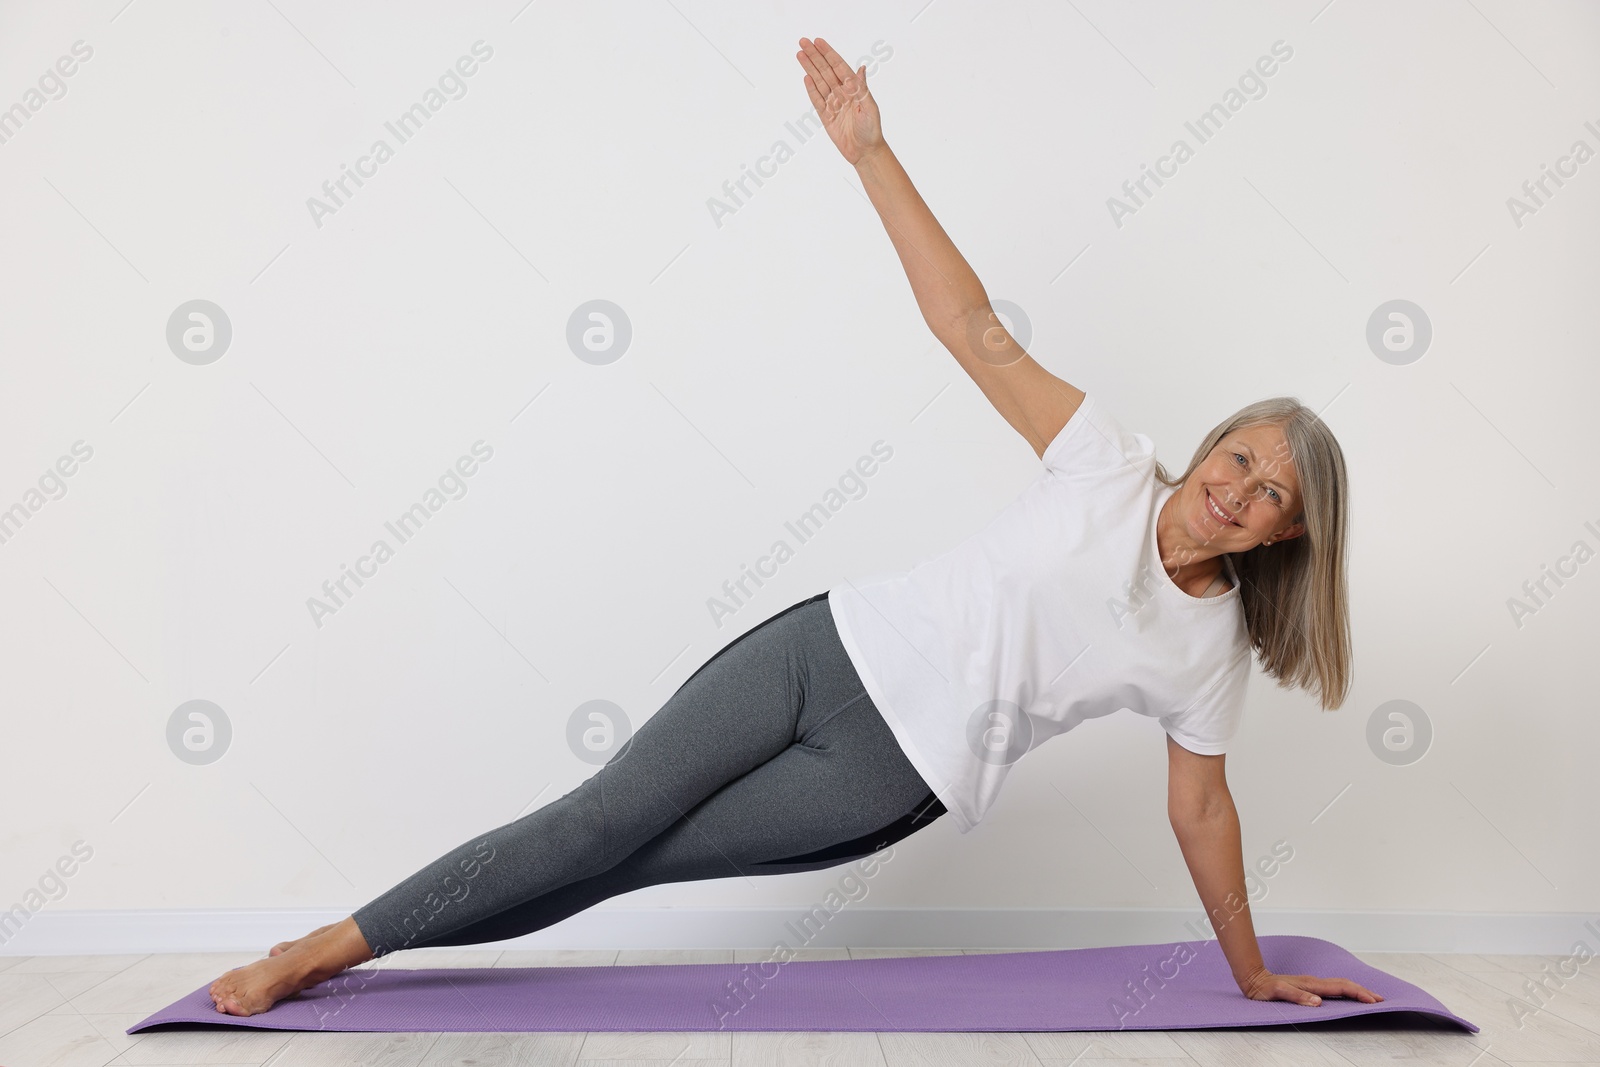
column 511, row 1050
column 1256, row 1048
column 56, row 1041
column 25, row 997
column 956, row 1050
column 62, row 964
column 1544, row 1037
column 206, row 1046
column 1412, row 1043
column 73, row 983
column 1566, row 1001
column 809, row 1049
column 114, row 1029
column 1109, row 1045
column 156, row 981
column 644, row 1046
column 351, row 1050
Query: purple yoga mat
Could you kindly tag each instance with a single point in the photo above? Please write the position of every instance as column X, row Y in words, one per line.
column 1184, row 985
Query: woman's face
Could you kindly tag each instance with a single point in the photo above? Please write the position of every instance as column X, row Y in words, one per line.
column 1250, row 478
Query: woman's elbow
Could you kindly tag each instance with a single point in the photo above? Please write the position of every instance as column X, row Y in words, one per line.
column 1202, row 809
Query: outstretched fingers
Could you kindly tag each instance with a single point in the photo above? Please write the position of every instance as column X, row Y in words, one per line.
column 1310, row 989
column 822, row 71
column 1306, row 989
column 1341, row 987
column 816, row 85
column 818, row 101
column 836, row 64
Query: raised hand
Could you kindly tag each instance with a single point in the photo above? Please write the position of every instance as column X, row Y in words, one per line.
column 1305, row 989
column 842, row 100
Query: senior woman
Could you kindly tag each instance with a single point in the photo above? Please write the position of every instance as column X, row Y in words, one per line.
column 864, row 713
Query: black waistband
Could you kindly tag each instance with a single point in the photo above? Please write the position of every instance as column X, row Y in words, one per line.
column 927, row 810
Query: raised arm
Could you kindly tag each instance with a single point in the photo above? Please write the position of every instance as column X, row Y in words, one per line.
column 954, row 304
column 1206, row 823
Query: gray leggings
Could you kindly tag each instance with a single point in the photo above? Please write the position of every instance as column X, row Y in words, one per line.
column 770, row 759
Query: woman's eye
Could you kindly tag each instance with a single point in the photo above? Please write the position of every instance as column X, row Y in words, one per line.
column 1276, row 499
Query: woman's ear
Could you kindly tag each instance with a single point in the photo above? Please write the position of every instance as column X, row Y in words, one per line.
column 1288, row 534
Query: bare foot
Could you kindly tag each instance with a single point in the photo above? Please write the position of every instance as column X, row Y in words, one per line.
column 255, row 987
column 281, row 945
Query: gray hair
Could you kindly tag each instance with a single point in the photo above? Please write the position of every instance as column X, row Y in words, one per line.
column 1294, row 596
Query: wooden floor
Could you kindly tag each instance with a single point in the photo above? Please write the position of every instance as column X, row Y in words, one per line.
column 66, row 1011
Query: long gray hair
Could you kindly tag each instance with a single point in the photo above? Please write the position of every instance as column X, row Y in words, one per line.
column 1293, row 592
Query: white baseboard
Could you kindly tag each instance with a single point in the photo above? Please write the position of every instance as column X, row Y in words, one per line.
column 65, row 932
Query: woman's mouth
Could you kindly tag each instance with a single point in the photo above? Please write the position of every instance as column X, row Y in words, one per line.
column 1216, row 510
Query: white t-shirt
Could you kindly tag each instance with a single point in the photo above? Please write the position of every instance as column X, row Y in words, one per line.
column 1057, row 611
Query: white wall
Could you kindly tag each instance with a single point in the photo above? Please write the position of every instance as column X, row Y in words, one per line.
column 769, row 350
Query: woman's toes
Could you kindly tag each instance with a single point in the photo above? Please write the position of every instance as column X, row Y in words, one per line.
column 232, row 991
column 277, row 949
column 256, row 987
column 220, row 995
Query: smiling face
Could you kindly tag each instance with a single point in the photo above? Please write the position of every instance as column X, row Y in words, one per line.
column 1250, row 479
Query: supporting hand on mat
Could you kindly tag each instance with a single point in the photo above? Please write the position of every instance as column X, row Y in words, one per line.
column 1304, row 988
column 842, row 100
